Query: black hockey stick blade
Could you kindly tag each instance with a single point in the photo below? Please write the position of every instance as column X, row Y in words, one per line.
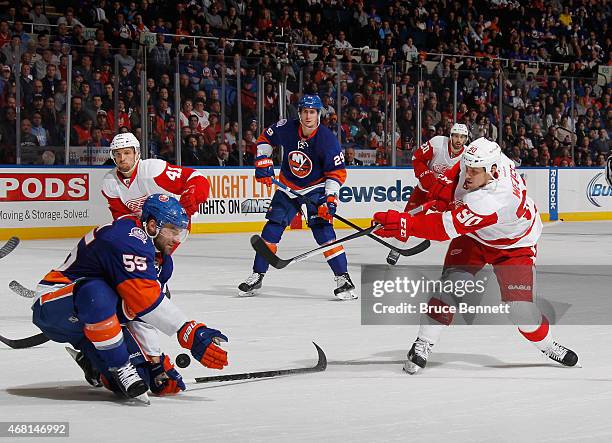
column 261, row 247
column 9, row 246
column 21, row 290
column 28, row 342
column 319, row 367
column 275, row 261
column 417, row 249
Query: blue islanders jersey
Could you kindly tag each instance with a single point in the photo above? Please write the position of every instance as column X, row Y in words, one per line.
column 123, row 255
column 307, row 161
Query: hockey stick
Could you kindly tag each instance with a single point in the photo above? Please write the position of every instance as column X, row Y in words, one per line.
column 28, row 342
column 8, row 247
column 19, row 289
column 261, row 247
column 405, row 252
column 319, row 367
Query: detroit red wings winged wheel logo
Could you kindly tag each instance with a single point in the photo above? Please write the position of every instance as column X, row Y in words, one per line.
column 300, row 164
column 135, row 205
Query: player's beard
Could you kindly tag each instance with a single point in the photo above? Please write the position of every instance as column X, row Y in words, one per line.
column 163, row 245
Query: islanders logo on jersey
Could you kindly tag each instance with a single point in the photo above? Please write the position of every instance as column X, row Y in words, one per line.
column 300, row 164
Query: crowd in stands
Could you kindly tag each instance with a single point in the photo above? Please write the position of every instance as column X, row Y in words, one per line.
column 542, row 48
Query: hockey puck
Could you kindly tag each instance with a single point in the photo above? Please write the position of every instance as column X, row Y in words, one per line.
column 183, row 360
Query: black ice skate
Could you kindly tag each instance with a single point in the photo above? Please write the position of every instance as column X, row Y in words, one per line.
column 417, row 356
column 561, row 354
column 251, row 285
column 92, row 375
column 130, row 382
column 345, row 289
column 393, row 257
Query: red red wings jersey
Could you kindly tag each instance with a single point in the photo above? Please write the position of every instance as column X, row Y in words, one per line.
column 500, row 214
column 153, row 176
column 434, row 155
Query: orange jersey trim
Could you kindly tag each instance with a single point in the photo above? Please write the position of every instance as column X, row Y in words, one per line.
column 339, row 175
column 66, row 291
column 139, row 294
column 293, row 186
column 263, row 138
column 56, row 277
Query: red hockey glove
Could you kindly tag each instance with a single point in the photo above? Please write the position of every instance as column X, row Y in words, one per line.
column 441, row 189
column 440, row 205
column 395, row 224
column 264, row 170
column 427, row 179
column 327, row 207
column 165, row 379
column 202, row 342
column 194, row 194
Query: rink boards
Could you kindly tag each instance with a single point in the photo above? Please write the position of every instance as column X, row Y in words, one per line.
column 67, row 202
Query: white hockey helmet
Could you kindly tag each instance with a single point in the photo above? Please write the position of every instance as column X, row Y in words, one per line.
column 482, row 153
column 460, row 128
column 125, row 140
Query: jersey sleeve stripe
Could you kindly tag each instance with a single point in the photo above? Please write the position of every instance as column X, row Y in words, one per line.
column 263, row 138
column 506, row 241
column 140, row 294
column 449, row 225
column 338, row 175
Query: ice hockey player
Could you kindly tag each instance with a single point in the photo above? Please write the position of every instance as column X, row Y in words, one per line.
column 313, row 166
column 110, row 278
column 490, row 220
column 127, row 186
column 432, row 159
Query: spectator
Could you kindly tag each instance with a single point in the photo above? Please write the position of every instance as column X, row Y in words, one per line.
column 201, row 114
column 39, row 19
column 159, row 56
column 191, row 153
column 350, row 159
column 48, row 158
column 41, row 134
column 221, row 157
column 29, row 144
column 125, row 59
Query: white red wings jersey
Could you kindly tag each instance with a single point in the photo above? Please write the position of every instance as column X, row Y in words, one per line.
column 434, row 155
column 152, row 176
column 500, row 214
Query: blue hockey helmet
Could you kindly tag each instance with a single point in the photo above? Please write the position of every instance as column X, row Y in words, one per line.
column 165, row 210
column 310, row 101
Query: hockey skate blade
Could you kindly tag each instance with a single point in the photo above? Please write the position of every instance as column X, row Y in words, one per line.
column 346, row 296
column 245, row 294
column 139, row 400
column 411, row 368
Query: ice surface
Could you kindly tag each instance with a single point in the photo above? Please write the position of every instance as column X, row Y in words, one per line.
column 483, row 383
